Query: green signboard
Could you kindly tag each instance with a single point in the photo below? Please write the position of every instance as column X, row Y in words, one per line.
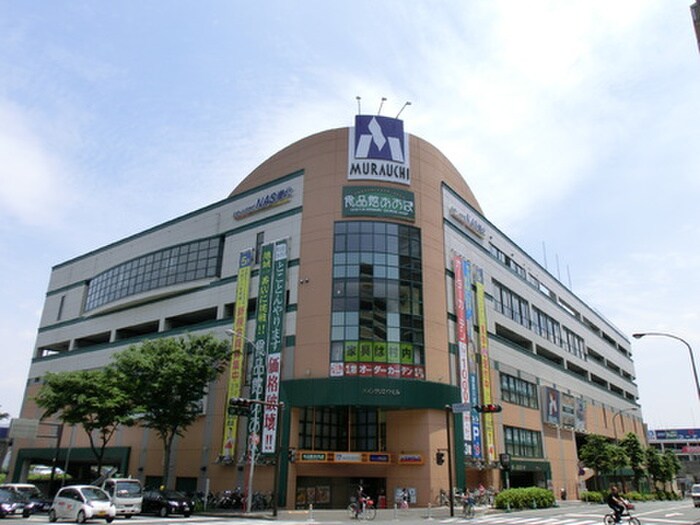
column 376, row 201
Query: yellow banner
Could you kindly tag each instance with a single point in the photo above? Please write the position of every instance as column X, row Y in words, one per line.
column 485, row 368
column 235, row 378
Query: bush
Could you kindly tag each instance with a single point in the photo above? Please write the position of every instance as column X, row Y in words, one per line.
column 633, row 496
column 662, row 495
column 524, row 498
column 592, row 497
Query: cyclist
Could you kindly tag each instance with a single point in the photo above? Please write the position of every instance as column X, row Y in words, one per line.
column 468, row 504
column 616, row 503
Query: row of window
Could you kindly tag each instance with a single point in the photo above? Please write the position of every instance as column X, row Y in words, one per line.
column 342, row 429
column 377, row 302
column 518, row 391
column 517, row 308
column 364, row 430
column 497, row 253
column 178, row 264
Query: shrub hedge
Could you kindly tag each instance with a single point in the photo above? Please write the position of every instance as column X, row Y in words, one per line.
column 524, row 498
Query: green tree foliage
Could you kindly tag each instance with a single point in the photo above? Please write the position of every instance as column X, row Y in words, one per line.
column 672, row 465
column 167, row 379
column 92, row 399
column 603, row 456
column 655, row 465
column 637, row 456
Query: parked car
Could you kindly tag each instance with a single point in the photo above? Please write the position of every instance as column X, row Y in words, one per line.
column 166, row 502
column 12, row 503
column 695, row 494
column 39, row 502
column 80, row 503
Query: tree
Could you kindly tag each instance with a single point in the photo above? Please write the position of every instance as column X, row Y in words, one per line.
column 92, row 399
column 167, row 378
column 4, row 415
column 637, row 457
column 671, row 465
column 602, row 456
column 655, row 465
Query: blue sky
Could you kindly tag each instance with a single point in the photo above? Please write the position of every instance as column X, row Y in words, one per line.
column 575, row 124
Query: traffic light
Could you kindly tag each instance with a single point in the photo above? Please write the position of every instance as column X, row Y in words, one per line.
column 238, row 406
column 291, row 455
column 488, row 409
column 439, row 457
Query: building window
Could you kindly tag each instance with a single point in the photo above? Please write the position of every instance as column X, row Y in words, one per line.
column 342, row 429
column 518, row 391
column 511, row 304
column 61, row 303
column 523, row 443
column 175, row 265
column 507, row 261
column 573, row 343
column 546, row 326
column 377, row 302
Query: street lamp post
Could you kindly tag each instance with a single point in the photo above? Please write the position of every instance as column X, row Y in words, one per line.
column 619, row 413
column 254, row 439
column 690, row 351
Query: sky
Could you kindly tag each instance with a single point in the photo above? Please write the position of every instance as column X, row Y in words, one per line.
column 574, row 123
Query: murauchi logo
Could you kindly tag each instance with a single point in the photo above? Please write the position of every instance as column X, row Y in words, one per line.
column 378, row 150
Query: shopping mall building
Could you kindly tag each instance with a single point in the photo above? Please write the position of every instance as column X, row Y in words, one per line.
column 366, row 291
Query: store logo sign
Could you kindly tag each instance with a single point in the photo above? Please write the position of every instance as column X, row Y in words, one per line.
column 270, row 200
column 378, row 150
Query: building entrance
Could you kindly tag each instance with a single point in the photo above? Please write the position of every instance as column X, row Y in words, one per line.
column 335, row 493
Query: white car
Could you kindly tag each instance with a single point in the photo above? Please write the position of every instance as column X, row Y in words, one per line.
column 695, row 494
column 80, row 503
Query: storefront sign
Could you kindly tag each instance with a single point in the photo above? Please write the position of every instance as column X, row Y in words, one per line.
column 410, row 459
column 344, row 457
column 468, row 221
column 269, row 200
column 373, row 201
column 378, row 150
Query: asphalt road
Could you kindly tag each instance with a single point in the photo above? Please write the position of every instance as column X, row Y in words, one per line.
column 569, row 513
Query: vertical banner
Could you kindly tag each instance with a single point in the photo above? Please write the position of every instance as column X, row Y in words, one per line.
column 274, row 354
column 257, row 371
column 235, row 378
column 551, row 408
column 485, row 365
column 462, row 350
column 471, row 356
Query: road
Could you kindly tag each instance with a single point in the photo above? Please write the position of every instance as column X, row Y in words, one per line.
column 573, row 513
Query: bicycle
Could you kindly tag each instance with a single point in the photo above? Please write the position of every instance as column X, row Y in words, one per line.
column 609, row 519
column 442, row 499
column 468, row 507
column 362, row 510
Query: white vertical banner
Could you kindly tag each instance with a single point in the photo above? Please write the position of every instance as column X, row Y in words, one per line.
column 276, row 342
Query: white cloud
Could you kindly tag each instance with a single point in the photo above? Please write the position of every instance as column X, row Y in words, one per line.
column 35, row 186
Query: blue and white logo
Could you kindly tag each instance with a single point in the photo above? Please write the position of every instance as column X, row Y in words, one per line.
column 379, row 138
column 378, row 150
